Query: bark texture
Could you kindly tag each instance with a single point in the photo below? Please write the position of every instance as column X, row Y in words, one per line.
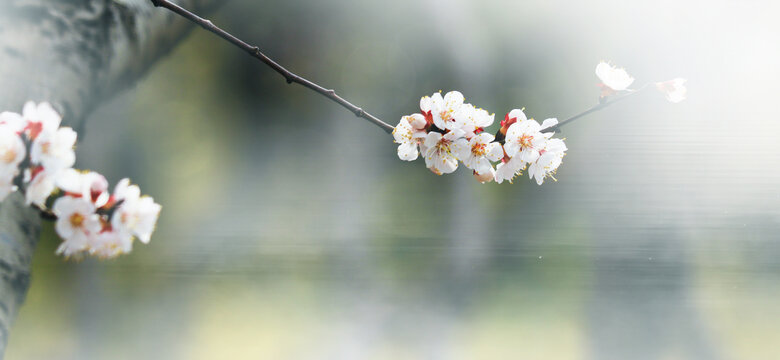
column 74, row 54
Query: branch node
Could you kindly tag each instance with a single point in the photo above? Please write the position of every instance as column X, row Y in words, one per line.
column 359, row 112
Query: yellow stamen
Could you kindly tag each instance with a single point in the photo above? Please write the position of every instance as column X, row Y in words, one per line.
column 76, row 220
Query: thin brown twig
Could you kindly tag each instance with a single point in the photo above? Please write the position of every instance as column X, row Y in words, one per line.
column 601, row 105
column 291, row 77
column 254, row 51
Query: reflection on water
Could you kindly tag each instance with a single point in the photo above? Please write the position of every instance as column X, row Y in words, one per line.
column 291, row 231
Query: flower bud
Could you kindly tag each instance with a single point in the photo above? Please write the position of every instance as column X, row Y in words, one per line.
column 484, row 178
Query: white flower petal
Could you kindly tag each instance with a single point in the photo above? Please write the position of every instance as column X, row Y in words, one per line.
column 547, row 123
column 517, row 113
column 432, row 139
column 407, row 151
column 612, row 77
column 494, row 151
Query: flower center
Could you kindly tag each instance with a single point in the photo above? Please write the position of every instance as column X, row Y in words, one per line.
column 8, row 155
column 45, row 147
column 446, row 115
column 525, row 140
column 76, row 220
column 479, row 149
column 130, row 220
column 444, row 146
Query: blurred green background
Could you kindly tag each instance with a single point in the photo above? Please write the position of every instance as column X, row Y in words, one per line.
column 290, row 229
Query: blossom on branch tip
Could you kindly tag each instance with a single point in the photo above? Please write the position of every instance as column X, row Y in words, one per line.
column 524, row 139
column 674, row 90
column 612, row 78
column 508, row 169
column 442, row 151
column 448, row 131
column 472, row 120
column 444, row 108
column 548, row 123
column 408, row 134
column 549, row 160
column 485, row 177
column 516, row 115
column 479, row 153
column 426, row 103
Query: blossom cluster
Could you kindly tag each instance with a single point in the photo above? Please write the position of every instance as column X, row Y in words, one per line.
column 447, row 131
column 37, row 157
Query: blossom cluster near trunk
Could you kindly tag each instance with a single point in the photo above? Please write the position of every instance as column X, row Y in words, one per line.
column 448, row 131
column 37, row 158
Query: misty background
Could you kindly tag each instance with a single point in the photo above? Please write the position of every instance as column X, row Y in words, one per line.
column 291, row 230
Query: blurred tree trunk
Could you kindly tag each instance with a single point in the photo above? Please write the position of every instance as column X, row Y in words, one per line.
column 74, row 54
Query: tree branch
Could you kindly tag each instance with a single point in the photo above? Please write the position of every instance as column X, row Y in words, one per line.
column 73, row 54
column 19, row 231
column 601, row 105
column 289, row 76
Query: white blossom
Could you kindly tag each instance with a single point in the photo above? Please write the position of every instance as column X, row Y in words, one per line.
column 408, row 134
column 54, row 149
column 472, row 120
column 444, row 108
column 481, row 150
column 40, row 184
column 512, row 117
column 110, row 244
column 135, row 215
column 507, row 170
column 485, row 177
column 12, row 121
column 459, row 135
column 76, row 223
column 88, row 185
column 548, row 123
column 549, row 160
column 40, row 118
column 12, row 150
column 524, row 140
column 516, row 115
column 612, row 77
column 674, row 89
column 126, row 191
column 442, row 151
column 426, row 103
